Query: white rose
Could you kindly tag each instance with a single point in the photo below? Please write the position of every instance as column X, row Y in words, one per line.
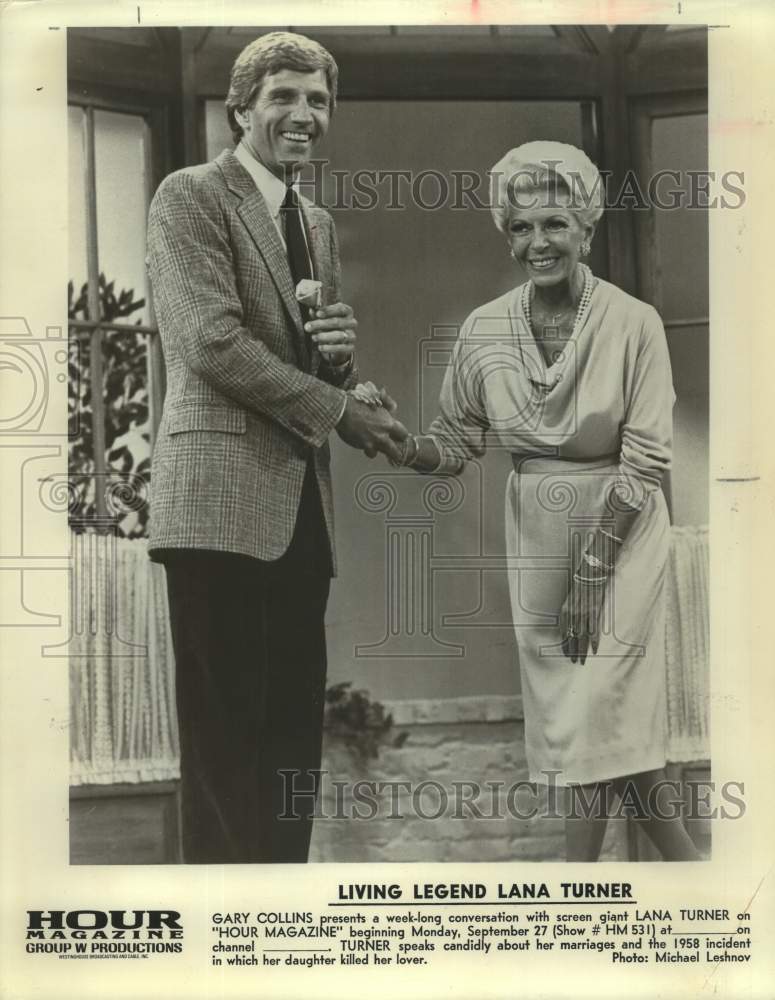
column 308, row 293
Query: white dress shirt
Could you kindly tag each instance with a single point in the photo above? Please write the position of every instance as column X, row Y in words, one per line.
column 272, row 189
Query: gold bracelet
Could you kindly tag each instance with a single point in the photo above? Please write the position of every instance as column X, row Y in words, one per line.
column 404, row 461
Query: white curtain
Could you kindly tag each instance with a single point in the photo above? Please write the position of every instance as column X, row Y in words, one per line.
column 686, row 645
column 122, row 689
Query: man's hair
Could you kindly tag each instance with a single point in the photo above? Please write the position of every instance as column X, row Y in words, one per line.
column 269, row 54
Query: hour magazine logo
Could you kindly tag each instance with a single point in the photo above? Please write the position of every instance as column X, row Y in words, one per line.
column 104, row 933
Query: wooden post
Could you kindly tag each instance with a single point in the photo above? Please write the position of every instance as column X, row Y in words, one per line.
column 617, row 158
column 180, row 47
column 95, row 338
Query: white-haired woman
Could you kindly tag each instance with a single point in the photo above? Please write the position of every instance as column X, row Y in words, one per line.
column 571, row 376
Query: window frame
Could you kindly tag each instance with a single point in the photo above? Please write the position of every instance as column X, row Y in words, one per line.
column 154, row 116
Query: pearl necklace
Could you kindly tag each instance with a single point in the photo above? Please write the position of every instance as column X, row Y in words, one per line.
column 581, row 309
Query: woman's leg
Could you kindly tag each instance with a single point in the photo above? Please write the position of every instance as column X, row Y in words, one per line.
column 586, row 815
column 653, row 813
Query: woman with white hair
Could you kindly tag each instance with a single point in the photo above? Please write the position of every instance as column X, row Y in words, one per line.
column 571, row 376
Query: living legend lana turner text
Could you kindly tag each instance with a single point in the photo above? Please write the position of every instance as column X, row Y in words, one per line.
column 478, row 890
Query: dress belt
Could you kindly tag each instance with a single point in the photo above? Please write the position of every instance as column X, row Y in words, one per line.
column 535, row 464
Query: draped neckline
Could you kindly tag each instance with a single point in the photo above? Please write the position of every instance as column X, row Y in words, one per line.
column 542, row 376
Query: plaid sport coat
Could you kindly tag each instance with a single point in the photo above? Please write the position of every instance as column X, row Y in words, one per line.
column 248, row 400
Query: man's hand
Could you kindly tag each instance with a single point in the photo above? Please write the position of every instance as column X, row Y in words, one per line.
column 332, row 330
column 387, row 401
column 371, row 429
column 367, row 392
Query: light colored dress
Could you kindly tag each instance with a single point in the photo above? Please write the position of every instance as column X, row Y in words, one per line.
column 594, row 426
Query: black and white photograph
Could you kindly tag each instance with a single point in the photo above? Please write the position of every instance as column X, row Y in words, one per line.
column 387, row 500
column 496, row 386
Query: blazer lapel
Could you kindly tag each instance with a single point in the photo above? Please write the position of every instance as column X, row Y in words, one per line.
column 253, row 212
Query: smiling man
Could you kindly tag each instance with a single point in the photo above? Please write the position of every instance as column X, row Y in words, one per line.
column 241, row 511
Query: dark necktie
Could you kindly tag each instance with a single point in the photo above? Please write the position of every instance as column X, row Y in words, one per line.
column 298, row 256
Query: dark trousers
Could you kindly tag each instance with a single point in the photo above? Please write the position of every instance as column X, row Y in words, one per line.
column 250, row 658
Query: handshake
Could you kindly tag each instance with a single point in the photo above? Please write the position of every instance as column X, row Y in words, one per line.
column 368, row 423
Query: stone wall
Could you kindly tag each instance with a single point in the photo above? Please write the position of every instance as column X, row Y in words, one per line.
column 449, row 742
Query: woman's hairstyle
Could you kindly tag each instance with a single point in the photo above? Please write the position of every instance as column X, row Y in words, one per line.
column 269, row 54
column 555, row 167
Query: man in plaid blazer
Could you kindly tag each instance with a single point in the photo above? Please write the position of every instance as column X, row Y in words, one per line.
column 242, row 513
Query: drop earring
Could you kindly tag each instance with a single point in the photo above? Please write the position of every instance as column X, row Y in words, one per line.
column 585, row 249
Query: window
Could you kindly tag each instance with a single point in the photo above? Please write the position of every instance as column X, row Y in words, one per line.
column 671, row 134
column 113, row 358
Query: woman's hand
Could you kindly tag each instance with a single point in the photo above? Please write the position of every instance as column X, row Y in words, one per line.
column 581, row 615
